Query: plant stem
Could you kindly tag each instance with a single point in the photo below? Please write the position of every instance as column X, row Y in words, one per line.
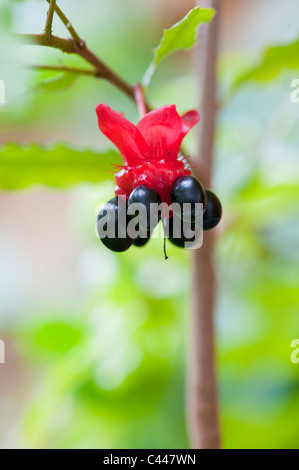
column 77, row 45
column 71, row 47
column 140, row 101
column 67, row 24
column 62, row 68
column 49, row 22
column 202, row 406
column 103, row 70
column 65, row 45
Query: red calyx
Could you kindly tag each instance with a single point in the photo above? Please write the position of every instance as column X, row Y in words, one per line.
column 149, row 150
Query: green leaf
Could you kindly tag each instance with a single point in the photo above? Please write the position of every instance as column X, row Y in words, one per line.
column 57, row 337
column 60, row 166
column 57, row 83
column 274, row 61
column 182, row 35
column 260, row 203
column 5, row 17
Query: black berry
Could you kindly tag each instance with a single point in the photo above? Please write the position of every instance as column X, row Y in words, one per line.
column 146, row 196
column 181, row 233
column 115, row 213
column 142, row 239
column 187, row 189
column 213, row 211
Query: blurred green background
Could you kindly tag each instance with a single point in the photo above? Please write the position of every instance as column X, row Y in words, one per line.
column 95, row 342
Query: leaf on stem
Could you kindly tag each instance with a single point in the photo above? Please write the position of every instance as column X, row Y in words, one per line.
column 273, row 62
column 182, row 35
column 60, row 81
column 59, row 166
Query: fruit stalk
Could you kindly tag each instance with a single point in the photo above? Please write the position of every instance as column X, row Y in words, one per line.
column 202, row 406
column 140, row 100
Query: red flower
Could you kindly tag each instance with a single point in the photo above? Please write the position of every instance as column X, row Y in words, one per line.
column 149, row 150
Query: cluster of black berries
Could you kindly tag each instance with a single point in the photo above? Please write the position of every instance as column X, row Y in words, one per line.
column 186, row 191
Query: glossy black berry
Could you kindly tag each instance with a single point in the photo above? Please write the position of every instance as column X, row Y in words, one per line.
column 142, row 239
column 213, row 211
column 116, row 219
column 146, row 196
column 187, row 189
column 180, row 233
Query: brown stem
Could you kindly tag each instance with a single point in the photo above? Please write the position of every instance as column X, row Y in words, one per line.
column 65, row 45
column 103, row 70
column 62, row 68
column 202, row 406
column 72, row 47
column 49, row 22
column 76, row 45
column 67, row 23
column 140, row 101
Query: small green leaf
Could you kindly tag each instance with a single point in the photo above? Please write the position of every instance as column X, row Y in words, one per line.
column 58, row 82
column 274, row 61
column 5, row 17
column 59, row 166
column 57, row 337
column 182, row 35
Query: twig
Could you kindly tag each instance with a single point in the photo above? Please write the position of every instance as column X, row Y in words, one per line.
column 61, row 68
column 103, row 70
column 67, row 23
column 65, row 45
column 202, row 406
column 140, row 101
column 49, row 21
column 71, row 47
column 76, row 45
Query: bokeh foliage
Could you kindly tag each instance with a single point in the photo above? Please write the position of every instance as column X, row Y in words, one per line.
column 112, row 373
